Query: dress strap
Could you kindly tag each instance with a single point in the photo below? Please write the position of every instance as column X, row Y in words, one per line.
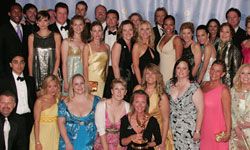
column 90, row 49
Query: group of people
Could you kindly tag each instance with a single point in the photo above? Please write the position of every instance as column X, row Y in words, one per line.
column 77, row 84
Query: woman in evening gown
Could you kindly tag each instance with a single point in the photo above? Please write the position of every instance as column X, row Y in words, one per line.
column 143, row 52
column 186, row 107
column 153, row 85
column 45, row 133
column 246, row 44
column 44, row 50
column 217, row 110
column 95, row 58
column 240, row 138
column 108, row 115
column 72, row 51
column 76, row 116
column 169, row 47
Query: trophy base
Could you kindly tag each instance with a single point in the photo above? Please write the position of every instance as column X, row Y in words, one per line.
column 139, row 146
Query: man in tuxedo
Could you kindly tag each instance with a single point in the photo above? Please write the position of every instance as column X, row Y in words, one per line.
column 110, row 36
column 23, row 87
column 160, row 14
column 101, row 14
column 30, row 12
column 12, row 129
column 62, row 23
column 233, row 16
column 13, row 39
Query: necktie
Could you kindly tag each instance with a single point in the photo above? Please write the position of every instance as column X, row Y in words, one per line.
column 20, row 78
column 6, row 129
column 113, row 33
column 19, row 32
column 63, row 27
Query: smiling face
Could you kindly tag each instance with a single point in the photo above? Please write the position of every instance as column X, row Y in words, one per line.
column 225, row 34
column 17, row 64
column 216, row 72
column 140, row 103
column 245, row 75
column 187, row 35
column 233, row 19
column 7, row 104
column 31, row 15
column 112, row 20
column 145, row 31
column 43, row 23
column 248, row 28
column 96, row 32
column 80, row 10
column 213, row 28
column 150, row 76
column 159, row 17
column 100, row 13
column 182, row 70
column 15, row 14
column 127, row 32
column 52, row 88
column 135, row 20
column 118, row 91
column 169, row 26
column 78, row 85
column 61, row 15
column 77, row 26
column 202, row 36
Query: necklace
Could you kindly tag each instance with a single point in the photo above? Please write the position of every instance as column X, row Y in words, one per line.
column 141, row 124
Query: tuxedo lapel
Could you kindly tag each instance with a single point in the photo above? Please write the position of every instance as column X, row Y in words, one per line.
column 13, row 86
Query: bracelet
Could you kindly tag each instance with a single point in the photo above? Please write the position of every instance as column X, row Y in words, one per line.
column 197, row 131
column 38, row 143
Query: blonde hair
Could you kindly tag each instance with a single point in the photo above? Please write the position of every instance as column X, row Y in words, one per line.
column 46, row 82
column 152, row 35
column 71, row 90
column 187, row 25
column 159, row 85
column 236, row 81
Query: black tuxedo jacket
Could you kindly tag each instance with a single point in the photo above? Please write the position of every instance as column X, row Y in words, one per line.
column 53, row 27
column 17, row 132
column 10, row 44
column 157, row 35
column 239, row 37
column 8, row 83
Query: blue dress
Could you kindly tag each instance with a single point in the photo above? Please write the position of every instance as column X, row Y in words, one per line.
column 80, row 130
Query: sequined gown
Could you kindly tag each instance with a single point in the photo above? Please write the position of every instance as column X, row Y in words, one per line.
column 43, row 57
column 240, row 112
column 97, row 69
column 80, row 130
column 49, row 132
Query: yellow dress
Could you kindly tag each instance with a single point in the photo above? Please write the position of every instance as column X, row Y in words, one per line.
column 154, row 111
column 49, row 132
column 97, row 69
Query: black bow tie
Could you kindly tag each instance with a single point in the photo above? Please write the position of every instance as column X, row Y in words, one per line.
column 20, row 78
column 64, row 27
column 113, row 33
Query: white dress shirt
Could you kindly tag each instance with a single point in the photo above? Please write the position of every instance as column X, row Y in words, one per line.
column 160, row 29
column 22, row 94
column 63, row 32
column 110, row 40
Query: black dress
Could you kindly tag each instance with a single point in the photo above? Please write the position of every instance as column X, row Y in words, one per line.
column 146, row 59
column 187, row 54
column 152, row 130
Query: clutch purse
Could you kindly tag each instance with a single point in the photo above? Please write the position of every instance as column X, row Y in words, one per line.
column 219, row 136
column 93, row 85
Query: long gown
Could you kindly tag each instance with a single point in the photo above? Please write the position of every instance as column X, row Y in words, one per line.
column 97, row 69
column 49, row 132
column 74, row 63
column 188, row 54
column 240, row 112
column 80, row 130
column 213, row 120
column 167, row 59
column 154, row 110
column 183, row 118
column 43, row 57
column 246, row 54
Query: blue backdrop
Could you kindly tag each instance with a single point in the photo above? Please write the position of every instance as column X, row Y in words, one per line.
column 197, row 11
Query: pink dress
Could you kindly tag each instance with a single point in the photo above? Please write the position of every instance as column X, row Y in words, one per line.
column 213, row 120
column 246, row 54
column 112, row 135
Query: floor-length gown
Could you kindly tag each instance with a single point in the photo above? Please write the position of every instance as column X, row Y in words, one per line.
column 97, row 69
column 43, row 57
column 246, row 54
column 183, row 118
column 167, row 59
column 240, row 112
column 154, row 110
column 80, row 130
column 213, row 120
column 48, row 131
